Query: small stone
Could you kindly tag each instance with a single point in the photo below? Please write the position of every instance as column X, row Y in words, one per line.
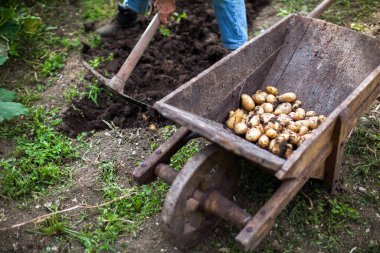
column 74, row 200
column 162, row 250
column 225, row 250
column 361, row 189
column 37, row 206
column 54, row 248
column 367, row 230
column 134, row 152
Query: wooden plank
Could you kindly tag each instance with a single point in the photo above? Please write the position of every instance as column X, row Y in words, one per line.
column 219, row 134
column 260, row 225
column 350, row 111
column 326, row 66
column 144, row 174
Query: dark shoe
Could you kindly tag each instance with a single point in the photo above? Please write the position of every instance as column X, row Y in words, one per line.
column 124, row 18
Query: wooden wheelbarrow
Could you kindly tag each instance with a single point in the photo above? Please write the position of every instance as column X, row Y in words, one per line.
column 334, row 71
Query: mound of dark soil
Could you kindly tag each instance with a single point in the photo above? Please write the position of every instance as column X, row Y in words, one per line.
column 169, row 61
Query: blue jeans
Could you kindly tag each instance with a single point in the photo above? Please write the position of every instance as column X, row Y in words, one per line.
column 230, row 15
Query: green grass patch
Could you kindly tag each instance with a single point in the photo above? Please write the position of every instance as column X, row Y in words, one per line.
column 97, row 10
column 342, row 12
column 38, row 159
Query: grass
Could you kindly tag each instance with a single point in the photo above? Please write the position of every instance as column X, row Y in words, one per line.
column 97, row 10
column 342, row 12
column 38, row 159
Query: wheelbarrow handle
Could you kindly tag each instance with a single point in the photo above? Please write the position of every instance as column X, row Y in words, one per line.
column 320, row 8
column 128, row 66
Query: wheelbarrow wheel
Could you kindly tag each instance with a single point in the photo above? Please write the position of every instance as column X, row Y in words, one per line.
column 212, row 168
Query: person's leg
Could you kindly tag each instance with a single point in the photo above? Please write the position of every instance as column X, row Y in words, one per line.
column 232, row 22
column 126, row 17
column 138, row 6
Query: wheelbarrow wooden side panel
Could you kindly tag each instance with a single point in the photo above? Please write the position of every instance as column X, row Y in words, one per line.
column 330, row 68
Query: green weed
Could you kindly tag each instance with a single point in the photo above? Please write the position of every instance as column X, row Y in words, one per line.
column 122, row 216
column 342, row 12
column 39, row 156
column 93, row 92
column 164, row 31
column 54, row 63
column 97, row 10
column 71, row 93
column 178, row 160
column 178, row 17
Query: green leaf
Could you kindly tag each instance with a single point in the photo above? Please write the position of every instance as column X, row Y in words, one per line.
column 6, row 14
column 30, row 24
column 9, row 110
column 9, row 30
column 6, row 95
column 3, row 59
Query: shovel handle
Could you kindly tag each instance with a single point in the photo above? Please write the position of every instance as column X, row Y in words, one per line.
column 320, row 8
column 129, row 64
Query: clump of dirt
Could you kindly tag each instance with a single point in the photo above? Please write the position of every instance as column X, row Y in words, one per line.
column 169, row 61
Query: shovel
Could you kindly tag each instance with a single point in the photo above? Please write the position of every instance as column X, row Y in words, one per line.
column 117, row 83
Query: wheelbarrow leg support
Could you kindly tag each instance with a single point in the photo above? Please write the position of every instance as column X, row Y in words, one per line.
column 144, row 174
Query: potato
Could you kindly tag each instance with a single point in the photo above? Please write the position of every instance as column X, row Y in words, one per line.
column 284, row 119
column 313, row 122
column 284, row 136
column 268, row 107
column 231, row 114
column 271, row 90
column 287, row 97
column 278, row 146
column 258, row 110
column 277, row 126
column 303, row 130
column 300, row 114
column 268, row 125
column 295, row 107
column 271, row 133
column 284, row 108
column 240, row 128
column 235, row 118
column 270, row 98
column 247, row 102
column 288, row 152
column 311, row 114
column 292, row 126
column 265, row 117
column 294, row 138
column 263, row 141
column 261, row 128
column 253, row 121
column 253, row 134
column 298, row 102
column 259, row 98
column 322, row 118
column 304, row 122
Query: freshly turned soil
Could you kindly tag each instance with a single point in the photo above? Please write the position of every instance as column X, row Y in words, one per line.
column 168, row 62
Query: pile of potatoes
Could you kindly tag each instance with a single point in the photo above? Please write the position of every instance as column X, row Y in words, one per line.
column 272, row 121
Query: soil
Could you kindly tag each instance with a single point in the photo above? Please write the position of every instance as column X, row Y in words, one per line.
column 168, row 62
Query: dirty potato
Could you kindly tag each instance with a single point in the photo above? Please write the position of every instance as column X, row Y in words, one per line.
column 253, row 134
column 271, row 90
column 284, row 108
